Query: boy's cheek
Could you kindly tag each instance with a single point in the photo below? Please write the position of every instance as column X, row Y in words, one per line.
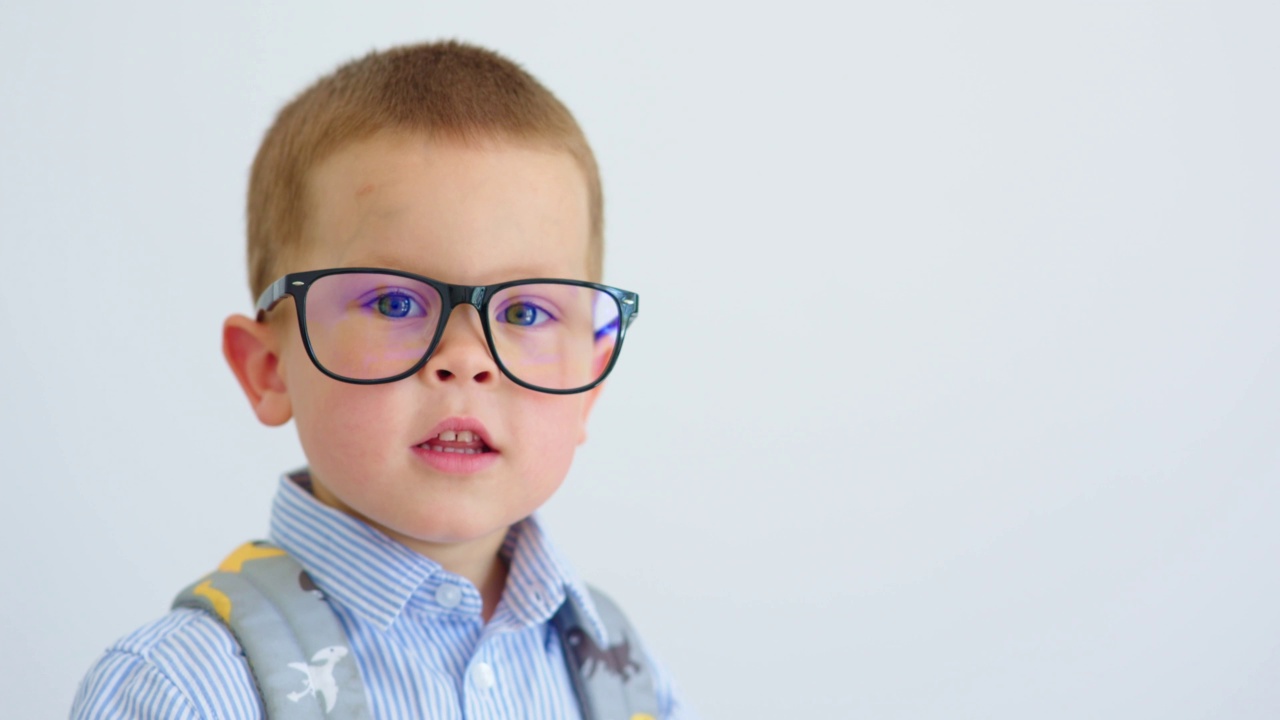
column 338, row 415
column 552, row 430
column 342, row 459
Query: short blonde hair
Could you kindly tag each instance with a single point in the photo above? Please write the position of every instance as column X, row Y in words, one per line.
column 444, row 89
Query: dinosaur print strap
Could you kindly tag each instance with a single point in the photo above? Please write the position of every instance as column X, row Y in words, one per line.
column 613, row 682
column 296, row 648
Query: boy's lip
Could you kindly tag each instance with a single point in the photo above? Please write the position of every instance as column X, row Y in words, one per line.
column 456, row 424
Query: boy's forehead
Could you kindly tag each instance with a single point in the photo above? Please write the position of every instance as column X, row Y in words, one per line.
column 484, row 211
column 360, row 166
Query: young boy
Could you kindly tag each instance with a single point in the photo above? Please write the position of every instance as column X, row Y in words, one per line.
column 425, row 235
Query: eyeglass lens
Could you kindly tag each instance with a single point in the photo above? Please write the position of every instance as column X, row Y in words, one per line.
column 371, row 326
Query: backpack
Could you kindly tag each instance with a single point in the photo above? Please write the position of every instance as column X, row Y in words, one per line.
column 295, row 645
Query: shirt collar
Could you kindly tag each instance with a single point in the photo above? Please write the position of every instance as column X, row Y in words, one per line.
column 363, row 569
column 540, row 580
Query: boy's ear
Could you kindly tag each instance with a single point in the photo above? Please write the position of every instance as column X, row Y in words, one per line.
column 250, row 350
column 589, row 402
column 602, row 356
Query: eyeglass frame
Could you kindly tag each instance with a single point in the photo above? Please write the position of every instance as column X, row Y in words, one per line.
column 297, row 284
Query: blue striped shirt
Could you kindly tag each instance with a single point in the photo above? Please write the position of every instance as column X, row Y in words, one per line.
column 415, row 631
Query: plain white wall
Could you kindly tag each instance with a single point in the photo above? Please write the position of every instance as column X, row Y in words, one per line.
column 956, row 391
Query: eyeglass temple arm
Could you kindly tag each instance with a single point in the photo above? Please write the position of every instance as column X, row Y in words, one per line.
column 269, row 297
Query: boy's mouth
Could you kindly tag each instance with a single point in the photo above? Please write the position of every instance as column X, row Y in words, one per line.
column 458, row 436
column 463, row 442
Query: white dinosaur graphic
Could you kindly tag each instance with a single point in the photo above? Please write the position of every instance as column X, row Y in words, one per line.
column 320, row 676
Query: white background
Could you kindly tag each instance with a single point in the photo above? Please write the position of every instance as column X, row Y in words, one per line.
column 956, row 391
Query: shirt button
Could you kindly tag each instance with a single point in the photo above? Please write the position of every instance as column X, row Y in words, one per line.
column 483, row 676
column 448, row 596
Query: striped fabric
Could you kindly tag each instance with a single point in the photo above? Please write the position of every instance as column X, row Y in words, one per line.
column 415, row 630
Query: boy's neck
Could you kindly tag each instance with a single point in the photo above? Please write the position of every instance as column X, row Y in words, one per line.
column 479, row 561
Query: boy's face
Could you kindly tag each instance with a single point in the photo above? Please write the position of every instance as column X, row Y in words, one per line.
column 462, row 214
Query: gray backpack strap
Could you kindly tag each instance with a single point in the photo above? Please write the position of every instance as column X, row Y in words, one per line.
column 614, row 682
column 296, row 648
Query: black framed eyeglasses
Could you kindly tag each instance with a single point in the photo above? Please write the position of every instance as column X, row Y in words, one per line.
column 373, row 325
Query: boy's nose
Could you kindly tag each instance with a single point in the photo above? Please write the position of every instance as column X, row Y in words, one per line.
column 462, row 352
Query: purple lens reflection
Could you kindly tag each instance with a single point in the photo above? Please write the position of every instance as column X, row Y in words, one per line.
column 370, row 326
column 552, row 335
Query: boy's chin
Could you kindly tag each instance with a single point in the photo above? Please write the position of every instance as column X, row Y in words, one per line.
column 452, row 532
column 436, row 522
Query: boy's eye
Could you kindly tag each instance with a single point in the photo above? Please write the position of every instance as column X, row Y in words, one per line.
column 524, row 314
column 396, row 305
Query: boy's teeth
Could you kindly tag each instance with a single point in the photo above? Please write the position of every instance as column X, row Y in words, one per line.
column 462, row 451
column 462, row 436
column 458, row 436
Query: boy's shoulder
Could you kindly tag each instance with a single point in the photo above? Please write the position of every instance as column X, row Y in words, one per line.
column 186, row 662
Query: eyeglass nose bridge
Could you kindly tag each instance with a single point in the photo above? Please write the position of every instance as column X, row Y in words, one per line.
column 466, row 295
